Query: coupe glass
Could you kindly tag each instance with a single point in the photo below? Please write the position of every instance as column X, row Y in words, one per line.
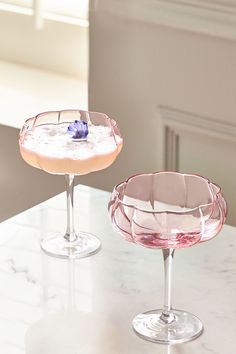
column 70, row 142
column 167, row 210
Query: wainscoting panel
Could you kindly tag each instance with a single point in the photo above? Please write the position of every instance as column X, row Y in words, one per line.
column 204, row 146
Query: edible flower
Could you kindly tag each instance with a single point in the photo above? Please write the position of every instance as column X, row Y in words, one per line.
column 78, row 129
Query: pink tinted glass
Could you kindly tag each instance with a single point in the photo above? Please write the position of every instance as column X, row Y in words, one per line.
column 55, row 151
column 167, row 209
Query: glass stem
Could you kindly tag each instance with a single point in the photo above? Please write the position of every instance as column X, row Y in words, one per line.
column 70, row 232
column 167, row 314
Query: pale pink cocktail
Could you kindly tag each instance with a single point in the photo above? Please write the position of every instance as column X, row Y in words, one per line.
column 51, row 149
column 70, row 142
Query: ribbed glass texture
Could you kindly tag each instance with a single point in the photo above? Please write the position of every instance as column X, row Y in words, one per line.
column 167, row 209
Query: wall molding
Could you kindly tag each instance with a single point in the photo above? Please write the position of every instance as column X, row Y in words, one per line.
column 176, row 123
column 171, row 149
column 209, row 17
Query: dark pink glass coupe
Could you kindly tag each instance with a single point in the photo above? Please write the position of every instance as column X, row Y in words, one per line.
column 167, row 210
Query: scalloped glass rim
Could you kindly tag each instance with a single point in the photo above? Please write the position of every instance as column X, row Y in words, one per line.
column 30, row 122
column 214, row 195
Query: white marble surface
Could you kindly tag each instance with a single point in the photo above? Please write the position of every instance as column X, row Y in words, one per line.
column 55, row 306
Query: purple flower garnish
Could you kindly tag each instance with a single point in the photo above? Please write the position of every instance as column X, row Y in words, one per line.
column 78, row 129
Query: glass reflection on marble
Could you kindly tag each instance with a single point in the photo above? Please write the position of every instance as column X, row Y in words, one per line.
column 68, row 322
column 167, row 210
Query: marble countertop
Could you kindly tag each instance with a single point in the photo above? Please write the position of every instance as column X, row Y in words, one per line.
column 48, row 305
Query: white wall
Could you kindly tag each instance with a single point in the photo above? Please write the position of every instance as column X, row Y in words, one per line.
column 25, row 92
column 21, row 186
column 136, row 67
column 53, row 76
column 59, row 47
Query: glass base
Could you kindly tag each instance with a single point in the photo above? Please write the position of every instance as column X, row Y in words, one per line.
column 183, row 328
column 85, row 245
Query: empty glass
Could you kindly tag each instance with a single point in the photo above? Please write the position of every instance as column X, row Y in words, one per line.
column 167, row 210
